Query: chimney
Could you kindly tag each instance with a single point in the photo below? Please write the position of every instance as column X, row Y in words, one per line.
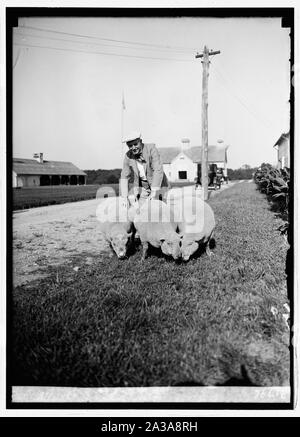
column 39, row 157
column 185, row 143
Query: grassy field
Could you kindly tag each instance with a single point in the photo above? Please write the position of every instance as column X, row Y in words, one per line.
column 41, row 196
column 33, row 197
column 211, row 321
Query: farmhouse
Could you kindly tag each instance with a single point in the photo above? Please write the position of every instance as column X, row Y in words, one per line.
column 39, row 172
column 282, row 146
column 184, row 163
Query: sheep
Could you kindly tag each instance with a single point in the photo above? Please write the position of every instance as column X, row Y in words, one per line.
column 177, row 193
column 116, row 224
column 195, row 223
column 155, row 227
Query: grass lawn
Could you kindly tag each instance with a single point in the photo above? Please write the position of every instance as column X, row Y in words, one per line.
column 158, row 323
column 41, row 196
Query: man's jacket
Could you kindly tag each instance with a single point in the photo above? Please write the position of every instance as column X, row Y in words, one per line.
column 152, row 165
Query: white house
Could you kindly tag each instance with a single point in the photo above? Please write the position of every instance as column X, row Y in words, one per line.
column 282, row 146
column 184, row 164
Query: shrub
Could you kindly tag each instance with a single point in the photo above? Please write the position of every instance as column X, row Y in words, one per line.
column 275, row 183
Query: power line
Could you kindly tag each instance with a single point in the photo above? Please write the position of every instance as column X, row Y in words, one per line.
column 94, row 43
column 222, row 82
column 241, row 101
column 245, row 106
column 78, row 35
column 100, row 53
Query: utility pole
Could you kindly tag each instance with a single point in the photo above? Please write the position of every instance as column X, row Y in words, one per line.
column 204, row 158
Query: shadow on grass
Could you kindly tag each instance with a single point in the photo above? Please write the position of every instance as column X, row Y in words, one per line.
column 153, row 252
column 202, row 248
column 157, row 253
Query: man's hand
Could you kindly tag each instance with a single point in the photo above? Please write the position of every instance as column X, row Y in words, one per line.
column 152, row 195
column 136, row 202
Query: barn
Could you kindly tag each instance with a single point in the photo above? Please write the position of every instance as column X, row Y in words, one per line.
column 184, row 163
column 39, row 172
column 282, row 146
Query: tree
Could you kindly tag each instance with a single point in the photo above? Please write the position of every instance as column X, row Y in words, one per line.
column 112, row 179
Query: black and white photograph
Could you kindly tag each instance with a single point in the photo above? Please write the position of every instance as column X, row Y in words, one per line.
column 150, row 234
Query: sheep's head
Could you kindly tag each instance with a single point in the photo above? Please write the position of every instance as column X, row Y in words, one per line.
column 188, row 248
column 120, row 243
column 171, row 247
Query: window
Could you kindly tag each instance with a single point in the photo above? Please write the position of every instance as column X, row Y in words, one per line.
column 182, row 175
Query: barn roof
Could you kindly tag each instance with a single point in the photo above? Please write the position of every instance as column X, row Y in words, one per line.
column 282, row 139
column 215, row 153
column 33, row 167
column 167, row 154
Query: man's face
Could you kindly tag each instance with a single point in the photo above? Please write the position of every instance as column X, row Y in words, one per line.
column 135, row 146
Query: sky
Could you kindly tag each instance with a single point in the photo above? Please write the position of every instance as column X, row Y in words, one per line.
column 71, row 74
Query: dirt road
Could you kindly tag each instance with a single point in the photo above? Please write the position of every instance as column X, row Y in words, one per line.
column 52, row 235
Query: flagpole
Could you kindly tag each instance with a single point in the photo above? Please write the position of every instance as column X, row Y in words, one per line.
column 122, row 129
column 122, row 123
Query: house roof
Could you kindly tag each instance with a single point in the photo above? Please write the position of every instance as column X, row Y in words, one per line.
column 167, row 154
column 215, row 153
column 33, row 167
column 282, row 138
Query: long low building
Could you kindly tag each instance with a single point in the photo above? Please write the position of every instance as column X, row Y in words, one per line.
column 39, row 172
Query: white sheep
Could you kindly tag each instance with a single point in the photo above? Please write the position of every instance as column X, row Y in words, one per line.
column 195, row 223
column 178, row 192
column 155, row 227
column 116, row 224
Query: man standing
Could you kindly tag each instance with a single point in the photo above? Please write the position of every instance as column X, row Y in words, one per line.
column 144, row 161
